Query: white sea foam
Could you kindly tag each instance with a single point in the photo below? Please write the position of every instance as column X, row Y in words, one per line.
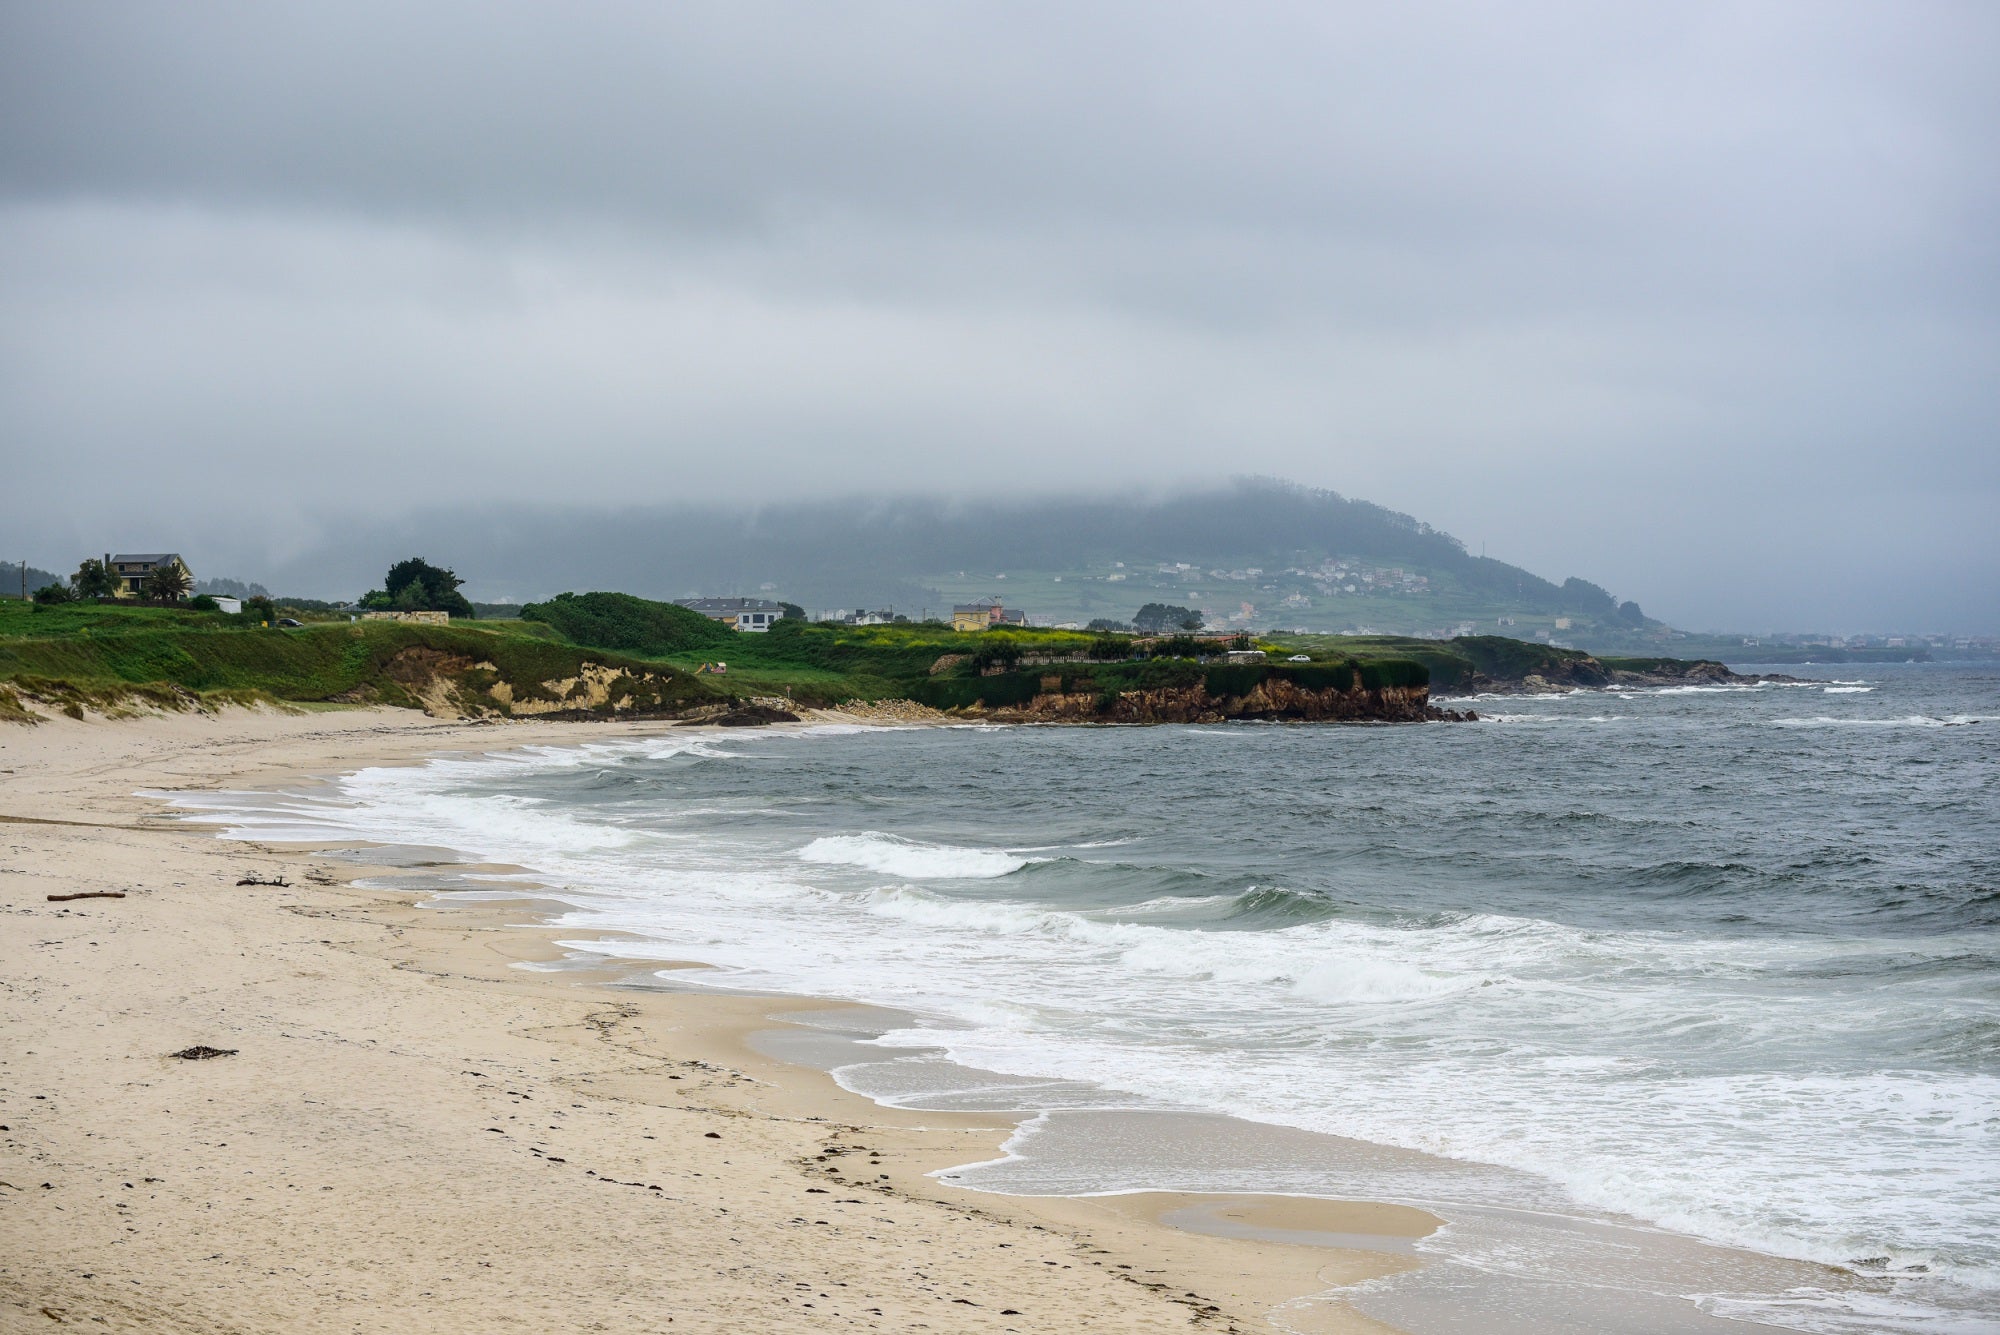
column 1849, row 690
column 891, row 856
column 1737, row 689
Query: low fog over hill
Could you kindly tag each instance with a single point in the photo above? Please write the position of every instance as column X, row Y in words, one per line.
column 1295, row 556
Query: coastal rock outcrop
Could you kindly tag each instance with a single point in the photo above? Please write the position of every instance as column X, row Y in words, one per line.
column 1581, row 672
column 1274, row 699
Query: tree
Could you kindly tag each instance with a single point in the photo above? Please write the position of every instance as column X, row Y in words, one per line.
column 93, row 580
column 1630, row 613
column 793, row 612
column 50, row 594
column 1155, row 618
column 1106, row 626
column 230, row 588
column 1583, row 596
column 167, row 582
column 416, row 585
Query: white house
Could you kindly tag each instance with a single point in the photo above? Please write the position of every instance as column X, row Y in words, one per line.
column 748, row 614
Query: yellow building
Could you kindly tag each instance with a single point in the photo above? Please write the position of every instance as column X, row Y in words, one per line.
column 985, row 616
column 973, row 616
column 129, row 570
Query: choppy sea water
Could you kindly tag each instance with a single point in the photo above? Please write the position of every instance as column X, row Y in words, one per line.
column 1718, row 961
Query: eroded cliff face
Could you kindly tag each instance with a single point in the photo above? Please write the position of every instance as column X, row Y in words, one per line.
column 448, row 685
column 1273, row 699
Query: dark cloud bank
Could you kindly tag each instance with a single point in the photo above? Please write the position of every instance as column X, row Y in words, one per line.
column 1697, row 301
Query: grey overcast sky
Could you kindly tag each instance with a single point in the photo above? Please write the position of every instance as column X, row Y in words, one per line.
column 1695, row 300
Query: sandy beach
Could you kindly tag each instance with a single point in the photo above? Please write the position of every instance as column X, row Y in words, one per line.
column 409, row 1133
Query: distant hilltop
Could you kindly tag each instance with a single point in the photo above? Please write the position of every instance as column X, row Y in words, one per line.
column 1253, row 553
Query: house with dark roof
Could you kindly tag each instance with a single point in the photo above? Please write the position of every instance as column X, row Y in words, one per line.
column 750, row 614
column 130, row 569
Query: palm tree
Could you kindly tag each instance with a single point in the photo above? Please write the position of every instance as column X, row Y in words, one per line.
column 168, row 582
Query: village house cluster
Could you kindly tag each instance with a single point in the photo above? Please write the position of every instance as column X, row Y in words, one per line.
column 758, row 615
column 1334, row 576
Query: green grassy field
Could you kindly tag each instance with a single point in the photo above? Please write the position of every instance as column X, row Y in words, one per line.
column 92, row 656
column 87, row 655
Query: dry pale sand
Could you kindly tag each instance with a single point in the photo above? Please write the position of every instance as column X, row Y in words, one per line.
column 413, row 1135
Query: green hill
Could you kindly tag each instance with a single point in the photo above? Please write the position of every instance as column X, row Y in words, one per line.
column 1298, row 557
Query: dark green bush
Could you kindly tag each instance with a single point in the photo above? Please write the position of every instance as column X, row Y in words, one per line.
column 994, row 652
column 1387, row 672
column 1509, row 660
column 1180, row 646
column 1318, row 676
column 1147, row 674
column 634, row 625
column 1227, row 679
column 996, row 692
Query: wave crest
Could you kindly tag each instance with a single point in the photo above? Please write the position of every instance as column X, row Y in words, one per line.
column 909, row 859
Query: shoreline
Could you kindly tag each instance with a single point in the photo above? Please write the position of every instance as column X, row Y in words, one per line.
column 379, row 1171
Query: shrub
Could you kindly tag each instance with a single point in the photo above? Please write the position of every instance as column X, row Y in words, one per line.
column 635, row 625
column 1180, row 646
column 995, row 653
column 1008, row 688
column 415, row 585
column 49, row 595
column 1318, row 676
column 1154, row 618
column 201, row 602
column 1233, row 679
